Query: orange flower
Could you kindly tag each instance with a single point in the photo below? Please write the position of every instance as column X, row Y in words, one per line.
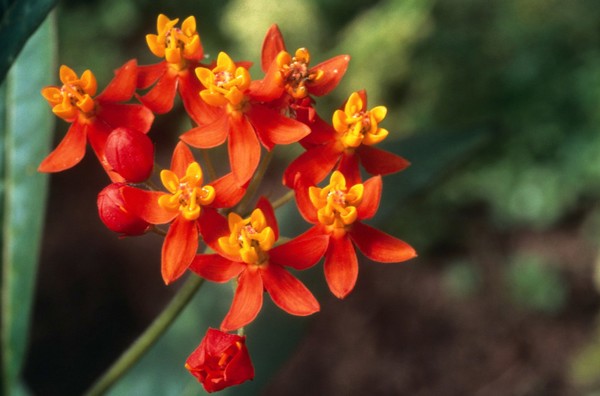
column 182, row 51
column 184, row 203
column 245, row 123
column 336, row 211
column 293, row 75
column 246, row 251
column 355, row 130
column 93, row 118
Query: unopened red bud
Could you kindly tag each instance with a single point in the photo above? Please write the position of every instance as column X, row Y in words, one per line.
column 130, row 153
column 114, row 214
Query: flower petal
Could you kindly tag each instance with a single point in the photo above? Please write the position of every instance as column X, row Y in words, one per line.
column 201, row 112
column 313, row 165
column 371, row 197
column 350, row 168
column 341, row 266
column 227, row 191
column 97, row 134
column 149, row 74
column 269, row 88
column 69, row 151
column 133, row 116
column 209, row 135
column 214, row 226
column 144, row 204
column 334, row 69
column 287, row 292
column 247, row 301
column 181, row 159
column 302, row 252
column 274, row 128
column 305, row 206
column 321, row 132
column 179, row 248
column 379, row 246
column 272, row 45
column 380, row 162
column 267, row 209
column 216, row 268
column 162, row 95
column 244, row 149
column 122, row 86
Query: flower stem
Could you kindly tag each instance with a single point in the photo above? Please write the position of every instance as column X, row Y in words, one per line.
column 148, row 337
column 283, row 199
column 255, row 183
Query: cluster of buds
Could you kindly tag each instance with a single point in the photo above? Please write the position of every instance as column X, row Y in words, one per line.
column 252, row 117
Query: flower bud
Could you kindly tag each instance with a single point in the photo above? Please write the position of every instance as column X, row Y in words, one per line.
column 221, row 360
column 112, row 212
column 130, row 153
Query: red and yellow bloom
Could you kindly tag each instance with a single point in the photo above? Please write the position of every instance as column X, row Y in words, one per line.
column 290, row 79
column 245, row 123
column 336, row 211
column 182, row 51
column 246, row 252
column 350, row 141
column 92, row 117
column 185, row 201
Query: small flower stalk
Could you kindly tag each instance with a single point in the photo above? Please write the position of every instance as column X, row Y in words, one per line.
column 201, row 212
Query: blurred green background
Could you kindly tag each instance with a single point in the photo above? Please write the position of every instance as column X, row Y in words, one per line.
column 495, row 103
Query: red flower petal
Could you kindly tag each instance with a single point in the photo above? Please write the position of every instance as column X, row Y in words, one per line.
column 97, row 133
column 272, row 45
column 189, row 87
column 371, row 197
column 213, row 226
column 133, row 116
column 181, row 159
column 305, row 207
column 379, row 246
column 313, row 165
column 215, row 267
column 69, row 151
column 179, row 248
column 144, row 204
column 162, row 95
column 227, row 191
column 209, row 135
column 265, row 206
column 301, row 252
column 321, row 132
column 287, row 292
column 334, row 69
column 269, row 88
column 341, row 266
column 380, row 162
column 122, row 86
column 349, row 167
column 149, row 74
column 244, row 149
column 274, row 128
column 247, row 301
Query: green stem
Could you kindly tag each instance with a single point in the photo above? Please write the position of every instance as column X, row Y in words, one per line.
column 283, row 199
column 209, row 165
column 148, row 338
column 256, row 181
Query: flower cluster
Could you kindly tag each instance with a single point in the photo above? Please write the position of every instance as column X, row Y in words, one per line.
column 251, row 116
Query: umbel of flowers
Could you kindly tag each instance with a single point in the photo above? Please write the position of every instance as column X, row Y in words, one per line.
column 194, row 209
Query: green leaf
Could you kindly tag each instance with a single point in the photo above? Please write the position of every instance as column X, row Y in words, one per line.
column 18, row 20
column 27, row 125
